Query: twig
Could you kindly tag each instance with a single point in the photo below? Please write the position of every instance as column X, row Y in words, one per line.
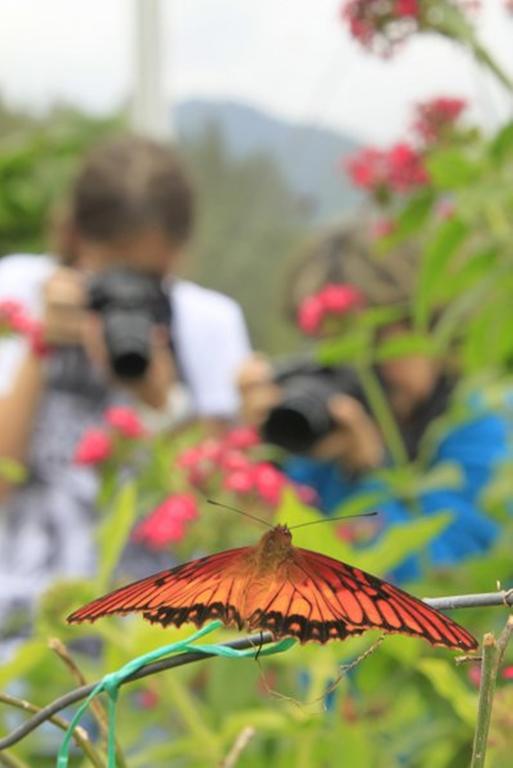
column 11, row 762
column 262, row 638
column 79, row 734
column 240, row 744
column 486, row 691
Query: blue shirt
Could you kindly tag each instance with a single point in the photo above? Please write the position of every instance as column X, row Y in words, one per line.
column 476, row 446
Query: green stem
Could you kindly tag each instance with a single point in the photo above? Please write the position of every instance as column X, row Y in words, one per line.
column 79, row 734
column 383, row 413
column 486, row 693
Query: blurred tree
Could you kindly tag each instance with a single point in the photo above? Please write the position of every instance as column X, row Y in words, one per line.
column 249, row 222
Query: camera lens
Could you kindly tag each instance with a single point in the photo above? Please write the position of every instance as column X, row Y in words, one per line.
column 127, row 335
column 302, row 417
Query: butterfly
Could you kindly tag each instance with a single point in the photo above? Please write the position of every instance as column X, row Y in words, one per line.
column 278, row 587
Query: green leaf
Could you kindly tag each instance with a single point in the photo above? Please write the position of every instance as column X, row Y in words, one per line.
column 451, row 169
column 11, row 470
column 502, row 144
column 446, row 475
column 409, row 221
column 28, row 656
column 400, row 541
column 114, row 531
column 438, row 253
column 450, row 686
column 405, row 345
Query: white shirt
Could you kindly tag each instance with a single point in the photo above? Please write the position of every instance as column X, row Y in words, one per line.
column 47, row 524
column 209, row 333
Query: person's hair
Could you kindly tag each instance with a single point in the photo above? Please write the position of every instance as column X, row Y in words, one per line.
column 345, row 254
column 129, row 184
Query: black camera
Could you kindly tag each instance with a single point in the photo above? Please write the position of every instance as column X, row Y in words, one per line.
column 131, row 303
column 302, row 417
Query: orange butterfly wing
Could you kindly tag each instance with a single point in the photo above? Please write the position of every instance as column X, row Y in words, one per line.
column 204, row 589
column 322, row 599
column 287, row 590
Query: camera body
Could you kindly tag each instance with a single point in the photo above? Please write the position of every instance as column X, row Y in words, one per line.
column 131, row 303
column 302, row 417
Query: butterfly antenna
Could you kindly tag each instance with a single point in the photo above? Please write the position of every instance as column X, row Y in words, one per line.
column 240, row 511
column 330, row 519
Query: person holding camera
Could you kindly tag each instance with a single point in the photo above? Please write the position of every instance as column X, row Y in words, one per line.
column 321, row 418
column 117, row 328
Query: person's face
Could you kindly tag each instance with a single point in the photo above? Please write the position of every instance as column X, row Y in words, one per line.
column 409, row 380
column 149, row 250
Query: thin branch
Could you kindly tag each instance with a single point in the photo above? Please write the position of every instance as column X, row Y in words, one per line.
column 79, row 734
column 503, row 597
column 10, row 761
column 240, row 744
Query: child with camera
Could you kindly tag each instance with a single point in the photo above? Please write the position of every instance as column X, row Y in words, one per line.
column 322, row 419
column 116, row 328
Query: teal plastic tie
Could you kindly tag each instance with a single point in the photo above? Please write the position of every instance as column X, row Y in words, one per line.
column 111, row 682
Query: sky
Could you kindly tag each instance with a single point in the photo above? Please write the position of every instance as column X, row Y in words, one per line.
column 292, row 58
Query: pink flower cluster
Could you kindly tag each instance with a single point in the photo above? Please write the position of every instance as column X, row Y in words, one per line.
column 381, row 171
column 98, row 444
column 167, row 524
column 433, row 119
column 14, row 320
column 239, row 472
column 380, row 25
column 334, row 299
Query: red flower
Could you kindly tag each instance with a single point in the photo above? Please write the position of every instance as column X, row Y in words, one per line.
column 310, row 315
column 434, row 118
column 381, row 25
column 507, row 673
column 240, row 481
column 242, row 438
column 15, row 320
column 189, row 458
column 94, row 447
column 124, row 420
column 334, row 299
column 368, row 168
column 234, row 461
column 339, row 298
column 269, row 482
column 166, row 524
column 406, row 8
column 406, row 168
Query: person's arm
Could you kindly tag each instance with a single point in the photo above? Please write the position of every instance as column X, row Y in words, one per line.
column 17, row 412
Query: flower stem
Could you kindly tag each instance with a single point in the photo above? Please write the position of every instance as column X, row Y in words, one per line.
column 383, row 413
column 486, row 693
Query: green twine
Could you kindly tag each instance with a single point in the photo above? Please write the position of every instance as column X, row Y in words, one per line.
column 111, row 682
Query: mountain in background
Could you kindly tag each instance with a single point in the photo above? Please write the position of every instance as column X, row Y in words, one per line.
column 309, row 157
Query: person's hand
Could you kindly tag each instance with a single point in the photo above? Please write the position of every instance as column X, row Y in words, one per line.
column 64, row 308
column 356, row 442
column 257, row 390
column 152, row 388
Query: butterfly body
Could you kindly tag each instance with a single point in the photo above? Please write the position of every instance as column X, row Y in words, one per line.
column 285, row 589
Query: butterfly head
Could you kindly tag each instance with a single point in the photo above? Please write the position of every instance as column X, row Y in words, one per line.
column 275, row 546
